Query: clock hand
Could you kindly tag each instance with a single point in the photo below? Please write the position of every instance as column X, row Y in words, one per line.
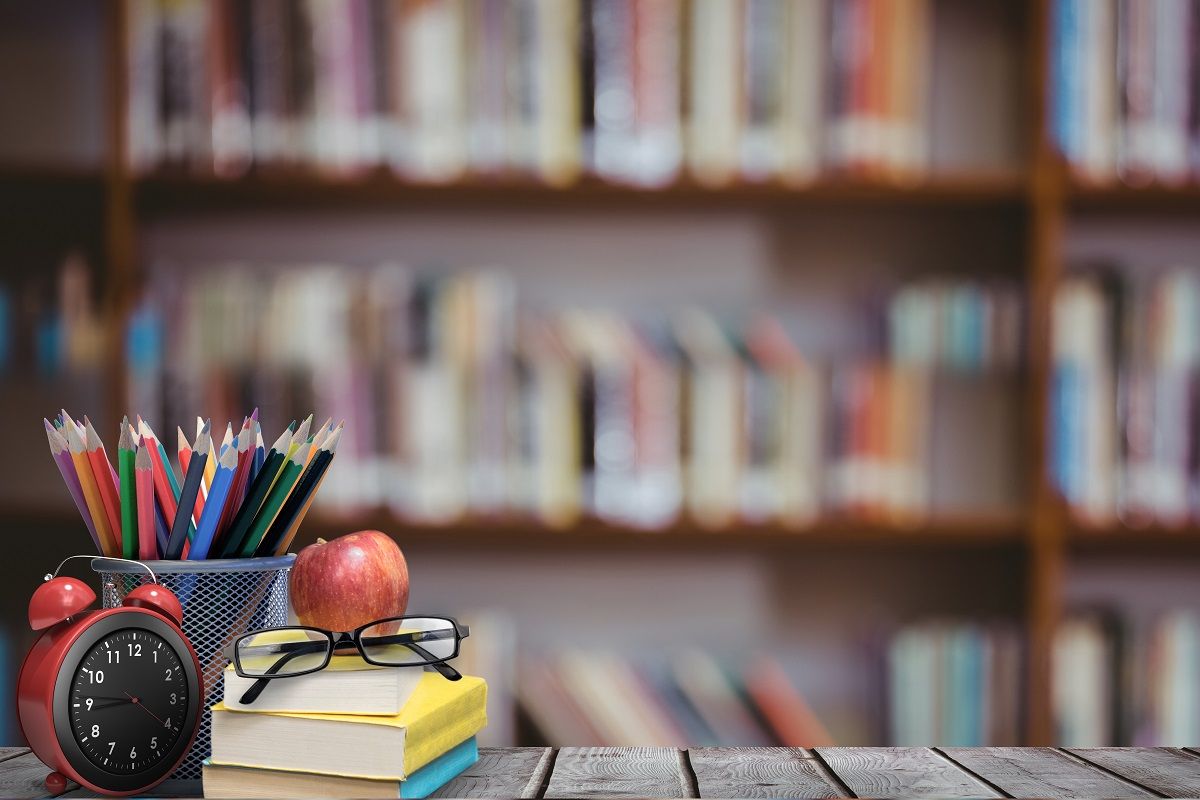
column 140, row 705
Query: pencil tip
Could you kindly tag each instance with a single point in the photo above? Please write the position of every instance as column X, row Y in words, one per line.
column 254, row 414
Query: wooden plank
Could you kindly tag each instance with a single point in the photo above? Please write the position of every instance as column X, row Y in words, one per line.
column 12, row 752
column 24, row 776
column 1166, row 770
column 761, row 772
column 901, row 771
column 503, row 772
column 1040, row 772
column 620, row 772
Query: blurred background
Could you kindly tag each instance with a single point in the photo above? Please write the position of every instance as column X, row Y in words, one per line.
column 743, row 371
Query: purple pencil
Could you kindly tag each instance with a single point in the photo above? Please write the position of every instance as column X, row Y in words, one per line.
column 66, row 467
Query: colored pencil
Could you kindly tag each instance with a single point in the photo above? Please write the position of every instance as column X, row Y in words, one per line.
column 129, row 514
column 185, row 458
column 91, row 492
column 283, row 529
column 187, row 498
column 244, row 447
column 161, row 532
column 66, row 467
column 143, row 469
column 271, row 506
column 232, row 543
column 168, row 500
column 211, row 469
column 105, row 482
column 260, row 453
column 221, row 490
column 300, row 437
column 320, row 437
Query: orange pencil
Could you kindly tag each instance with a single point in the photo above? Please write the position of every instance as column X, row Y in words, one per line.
column 103, row 473
column 91, row 493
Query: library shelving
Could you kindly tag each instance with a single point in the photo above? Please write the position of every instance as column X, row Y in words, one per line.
column 1038, row 195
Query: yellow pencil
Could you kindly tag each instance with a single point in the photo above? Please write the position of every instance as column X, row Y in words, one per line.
column 91, row 492
column 300, row 437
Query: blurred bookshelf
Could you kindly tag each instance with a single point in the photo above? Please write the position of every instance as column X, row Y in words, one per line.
column 1027, row 194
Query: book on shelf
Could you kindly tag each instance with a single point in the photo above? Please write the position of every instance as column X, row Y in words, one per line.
column 692, row 698
column 1123, row 401
column 955, row 684
column 1123, row 83
column 348, row 685
column 440, row 715
column 1127, row 679
column 225, row 780
column 630, row 90
column 468, row 403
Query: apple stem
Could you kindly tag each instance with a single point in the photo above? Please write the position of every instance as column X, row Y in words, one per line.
column 320, row 540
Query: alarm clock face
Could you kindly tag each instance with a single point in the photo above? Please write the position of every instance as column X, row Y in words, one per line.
column 127, row 699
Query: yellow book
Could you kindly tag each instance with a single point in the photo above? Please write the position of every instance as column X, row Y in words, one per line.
column 439, row 715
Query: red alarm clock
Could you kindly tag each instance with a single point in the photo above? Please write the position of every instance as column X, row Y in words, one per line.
column 108, row 698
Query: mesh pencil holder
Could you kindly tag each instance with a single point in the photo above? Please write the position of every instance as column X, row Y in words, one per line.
column 220, row 598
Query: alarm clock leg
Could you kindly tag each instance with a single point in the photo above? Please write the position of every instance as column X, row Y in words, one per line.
column 56, row 783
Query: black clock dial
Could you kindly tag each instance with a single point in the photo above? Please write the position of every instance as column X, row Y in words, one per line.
column 128, row 701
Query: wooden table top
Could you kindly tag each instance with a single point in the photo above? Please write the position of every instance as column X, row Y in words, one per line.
column 944, row 772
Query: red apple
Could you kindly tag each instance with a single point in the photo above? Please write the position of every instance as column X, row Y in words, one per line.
column 343, row 584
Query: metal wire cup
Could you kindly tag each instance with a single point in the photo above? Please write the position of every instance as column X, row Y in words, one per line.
column 221, row 599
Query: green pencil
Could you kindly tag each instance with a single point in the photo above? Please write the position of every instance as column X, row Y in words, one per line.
column 255, row 496
column 275, row 500
column 126, row 453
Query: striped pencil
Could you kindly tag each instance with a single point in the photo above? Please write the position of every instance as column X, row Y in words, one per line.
column 66, row 467
column 105, row 481
column 91, row 492
column 232, row 543
column 217, row 499
column 143, row 469
column 129, row 513
column 283, row 529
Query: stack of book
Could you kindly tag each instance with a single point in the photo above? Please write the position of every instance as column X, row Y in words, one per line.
column 468, row 404
column 1124, row 81
column 631, row 90
column 350, row 730
column 1124, row 403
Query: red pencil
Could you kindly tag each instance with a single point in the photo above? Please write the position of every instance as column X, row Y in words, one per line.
column 144, row 472
column 103, row 473
column 245, row 451
column 162, row 487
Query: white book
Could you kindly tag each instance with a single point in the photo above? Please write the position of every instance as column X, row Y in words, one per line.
column 348, row 685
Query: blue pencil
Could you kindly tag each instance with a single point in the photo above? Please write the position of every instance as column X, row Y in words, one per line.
column 218, row 494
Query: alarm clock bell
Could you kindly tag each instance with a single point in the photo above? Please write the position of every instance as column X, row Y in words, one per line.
column 58, row 599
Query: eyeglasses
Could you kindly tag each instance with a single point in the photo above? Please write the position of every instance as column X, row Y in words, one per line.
column 393, row 642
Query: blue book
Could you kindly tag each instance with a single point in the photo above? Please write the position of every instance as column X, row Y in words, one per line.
column 225, row 780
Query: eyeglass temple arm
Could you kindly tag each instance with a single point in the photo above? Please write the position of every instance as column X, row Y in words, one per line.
column 405, row 640
column 301, row 649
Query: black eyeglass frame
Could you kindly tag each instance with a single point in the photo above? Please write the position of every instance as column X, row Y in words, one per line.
column 334, row 639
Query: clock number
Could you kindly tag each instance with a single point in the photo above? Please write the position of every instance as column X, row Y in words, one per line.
column 155, row 654
column 153, row 742
column 168, row 675
column 167, row 723
column 135, row 649
column 114, row 656
column 174, row 697
column 111, row 745
column 97, row 676
column 89, row 702
column 95, row 731
column 133, row 752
